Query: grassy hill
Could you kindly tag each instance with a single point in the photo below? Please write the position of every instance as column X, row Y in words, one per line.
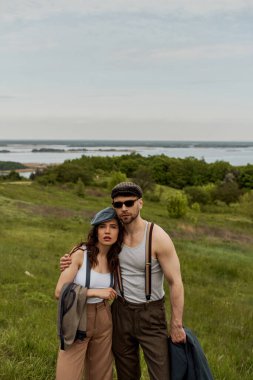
column 39, row 224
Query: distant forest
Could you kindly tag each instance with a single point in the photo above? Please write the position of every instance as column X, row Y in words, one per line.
column 174, row 172
column 202, row 182
column 10, row 165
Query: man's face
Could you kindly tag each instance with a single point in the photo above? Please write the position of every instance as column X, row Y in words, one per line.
column 127, row 207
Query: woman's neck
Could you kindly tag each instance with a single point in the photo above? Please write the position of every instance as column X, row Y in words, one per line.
column 102, row 263
column 103, row 250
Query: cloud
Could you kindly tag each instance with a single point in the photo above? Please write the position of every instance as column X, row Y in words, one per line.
column 214, row 51
column 110, row 59
column 7, row 97
column 39, row 9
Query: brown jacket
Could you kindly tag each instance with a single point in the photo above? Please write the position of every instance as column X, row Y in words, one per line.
column 71, row 314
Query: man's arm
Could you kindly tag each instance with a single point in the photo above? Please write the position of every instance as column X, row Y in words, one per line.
column 165, row 252
column 68, row 274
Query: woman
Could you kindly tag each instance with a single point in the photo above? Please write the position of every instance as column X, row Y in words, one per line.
column 93, row 354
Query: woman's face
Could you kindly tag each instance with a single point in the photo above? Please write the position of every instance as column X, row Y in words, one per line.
column 108, row 232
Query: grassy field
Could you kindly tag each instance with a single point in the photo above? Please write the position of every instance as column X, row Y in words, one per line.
column 39, row 224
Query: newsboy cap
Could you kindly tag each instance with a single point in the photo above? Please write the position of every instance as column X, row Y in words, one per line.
column 104, row 215
column 126, row 188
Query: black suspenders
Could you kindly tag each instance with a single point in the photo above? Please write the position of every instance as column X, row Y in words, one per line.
column 87, row 282
column 119, row 281
column 148, row 252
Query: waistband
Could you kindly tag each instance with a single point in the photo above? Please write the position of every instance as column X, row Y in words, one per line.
column 97, row 305
column 142, row 305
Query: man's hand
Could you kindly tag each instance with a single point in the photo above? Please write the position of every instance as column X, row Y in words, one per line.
column 177, row 334
column 65, row 262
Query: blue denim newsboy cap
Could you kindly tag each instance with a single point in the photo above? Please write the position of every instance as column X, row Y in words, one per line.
column 104, row 215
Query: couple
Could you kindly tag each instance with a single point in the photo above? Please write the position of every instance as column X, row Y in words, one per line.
column 136, row 321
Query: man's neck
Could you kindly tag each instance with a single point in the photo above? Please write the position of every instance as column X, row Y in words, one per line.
column 134, row 232
column 135, row 226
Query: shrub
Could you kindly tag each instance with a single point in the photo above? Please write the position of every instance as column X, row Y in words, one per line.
column 80, row 188
column 246, row 202
column 144, row 178
column 177, row 205
column 116, row 178
column 197, row 194
column 195, row 207
column 227, row 192
column 246, row 177
column 152, row 196
column 13, row 176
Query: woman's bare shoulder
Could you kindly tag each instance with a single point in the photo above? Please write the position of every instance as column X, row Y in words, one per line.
column 77, row 256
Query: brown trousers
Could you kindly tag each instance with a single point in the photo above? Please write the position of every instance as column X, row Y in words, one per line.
column 93, row 355
column 144, row 325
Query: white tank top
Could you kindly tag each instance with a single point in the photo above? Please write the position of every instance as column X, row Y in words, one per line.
column 132, row 265
column 97, row 280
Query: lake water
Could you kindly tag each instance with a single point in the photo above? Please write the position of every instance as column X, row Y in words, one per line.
column 236, row 153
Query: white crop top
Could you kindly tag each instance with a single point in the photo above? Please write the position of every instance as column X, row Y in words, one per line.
column 97, row 280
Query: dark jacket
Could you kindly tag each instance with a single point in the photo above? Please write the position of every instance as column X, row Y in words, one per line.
column 71, row 314
column 187, row 360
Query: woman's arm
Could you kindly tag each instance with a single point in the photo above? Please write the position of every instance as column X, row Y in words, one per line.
column 69, row 274
column 105, row 293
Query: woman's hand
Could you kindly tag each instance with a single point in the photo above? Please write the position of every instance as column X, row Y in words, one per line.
column 106, row 294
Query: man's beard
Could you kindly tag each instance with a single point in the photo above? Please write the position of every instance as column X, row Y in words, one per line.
column 128, row 218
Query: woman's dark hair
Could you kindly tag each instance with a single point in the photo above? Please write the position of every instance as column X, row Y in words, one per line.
column 93, row 250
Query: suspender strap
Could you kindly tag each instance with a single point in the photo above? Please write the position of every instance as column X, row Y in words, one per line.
column 119, row 281
column 148, row 251
column 87, row 283
column 111, row 280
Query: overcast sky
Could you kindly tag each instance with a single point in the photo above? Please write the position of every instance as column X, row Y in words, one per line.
column 133, row 69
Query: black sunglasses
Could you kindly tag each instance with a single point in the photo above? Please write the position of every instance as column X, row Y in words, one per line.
column 128, row 203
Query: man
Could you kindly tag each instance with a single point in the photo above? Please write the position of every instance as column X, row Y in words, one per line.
column 137, row 321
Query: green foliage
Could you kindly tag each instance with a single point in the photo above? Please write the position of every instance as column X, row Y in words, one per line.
column 245, row 179
column 197, row 194
column 39, row 224
column 128, row 164
column 246, row 203
column 217, row 171
column 195, row 207
column 12, row 176
column 227, row 192
column 69, row 171
column 11, row 165
column 80, row 188
column 144, row 178
column 116, row 178
column 177, row 205
column 174, row 172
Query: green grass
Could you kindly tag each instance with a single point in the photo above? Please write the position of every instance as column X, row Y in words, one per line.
column 39, row 224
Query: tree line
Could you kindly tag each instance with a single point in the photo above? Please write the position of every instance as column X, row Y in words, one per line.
column 197, row 182
column 177, row 173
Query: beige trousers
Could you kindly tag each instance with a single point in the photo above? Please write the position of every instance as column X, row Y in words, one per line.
column 93, row 355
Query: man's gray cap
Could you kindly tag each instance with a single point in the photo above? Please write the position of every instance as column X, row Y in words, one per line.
column 126, row 188
column 104, row 215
